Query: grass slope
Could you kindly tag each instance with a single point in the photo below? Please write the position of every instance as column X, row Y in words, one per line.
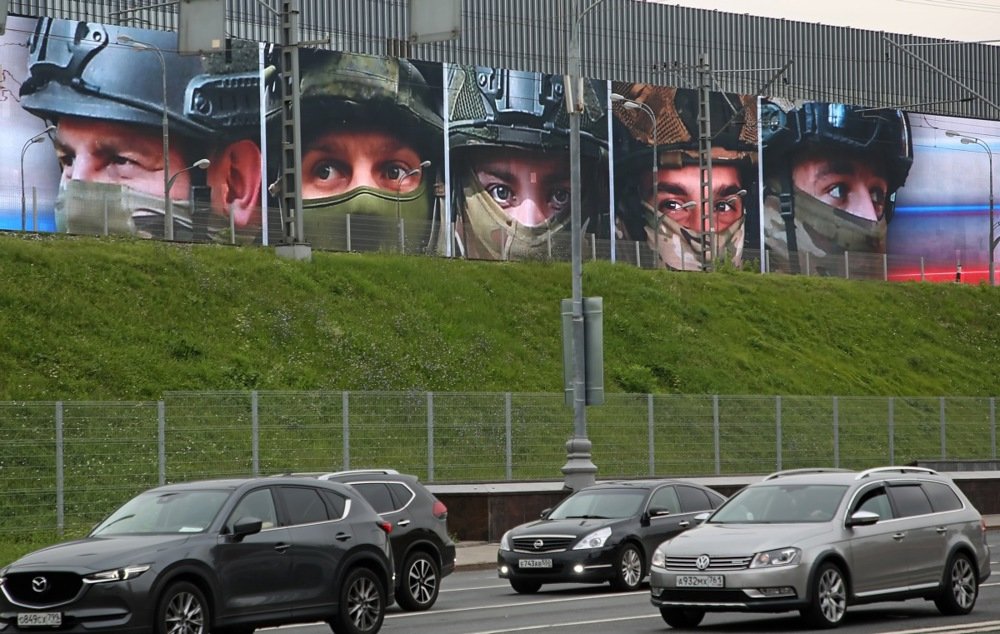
column 122, row 319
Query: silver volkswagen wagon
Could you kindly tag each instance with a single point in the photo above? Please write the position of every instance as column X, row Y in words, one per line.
column 819, row 540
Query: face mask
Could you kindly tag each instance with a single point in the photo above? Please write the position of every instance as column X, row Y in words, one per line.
column 491, row 234
column 373, row 219
column 90, row 208
column 821, row 229
column 680, row 247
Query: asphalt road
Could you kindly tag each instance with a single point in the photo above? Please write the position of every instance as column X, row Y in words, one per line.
column 477, row 602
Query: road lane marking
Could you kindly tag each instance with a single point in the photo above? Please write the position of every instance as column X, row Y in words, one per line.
column 959, row 628
column 551, row 626
column 519, row 604
column 493, row 587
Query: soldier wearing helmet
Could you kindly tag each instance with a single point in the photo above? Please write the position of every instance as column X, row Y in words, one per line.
column 372, row 147
column 509, row 138
column 831, row 175
column 107, row 103
column 686, row 239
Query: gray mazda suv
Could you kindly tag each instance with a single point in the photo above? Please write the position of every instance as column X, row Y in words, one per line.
column 820, row 540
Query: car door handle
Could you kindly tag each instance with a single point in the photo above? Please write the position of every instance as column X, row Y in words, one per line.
column 403, row 523
column 684, row 524
column 941, row 530
column 342, row 537
column 281, row 547
column 899, row 536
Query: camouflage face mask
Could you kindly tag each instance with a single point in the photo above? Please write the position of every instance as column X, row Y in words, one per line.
column 827, row 230
column 84, row 207
column 490, row 233
column 680, row 247
column 373, row 219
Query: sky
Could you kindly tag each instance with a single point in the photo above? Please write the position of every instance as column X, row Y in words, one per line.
column 962, row 20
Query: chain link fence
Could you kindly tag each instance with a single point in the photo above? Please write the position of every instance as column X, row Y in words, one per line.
column 64, row 464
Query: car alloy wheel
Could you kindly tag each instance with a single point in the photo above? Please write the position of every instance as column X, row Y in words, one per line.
column 628, row 572
column 182, row 610
column 362, row 604
column 421, row 583
column 829, row 598
column 959, row 588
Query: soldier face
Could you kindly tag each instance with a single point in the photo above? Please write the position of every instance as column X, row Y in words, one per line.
column 678, row 188
column 529, row 186
column 339, row 161
column 843, row 180
column 122, row 153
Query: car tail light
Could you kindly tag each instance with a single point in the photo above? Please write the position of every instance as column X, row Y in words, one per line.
column 439, row 510
column 384, row 525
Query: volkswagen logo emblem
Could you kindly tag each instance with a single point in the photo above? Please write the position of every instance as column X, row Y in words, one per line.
column 538, row 544
column 39, row 584
column 702, row 562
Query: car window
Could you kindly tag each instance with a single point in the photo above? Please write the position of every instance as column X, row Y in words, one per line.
column 165, row 512
column 665, row 498
column 875, row 501
column 941, row 496
column 259, row 504
column 693, row 499
column 784, row 503
column 304, row 505
column 401, row 495
column 335, row 503
column 600, row 503
column 910, row 500
column 377, row 494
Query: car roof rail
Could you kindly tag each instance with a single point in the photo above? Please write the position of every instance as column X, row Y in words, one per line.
column 869, row 472
column 805, row 471
column 333, row 474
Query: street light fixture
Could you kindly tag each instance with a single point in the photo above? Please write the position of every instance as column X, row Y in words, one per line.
column 168, row 216
column 200, row 163
column 992, row 245
column 35, row 139
column 399, row 186
column 635, row 105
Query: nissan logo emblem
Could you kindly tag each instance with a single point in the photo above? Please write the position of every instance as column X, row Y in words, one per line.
column 39, row 584
column 702, row 562
column 538, row 544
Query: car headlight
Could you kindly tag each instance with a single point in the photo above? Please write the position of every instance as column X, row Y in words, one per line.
column 780, row 557
column 118, row 574
column 659, row 558
column 597, row 539
column 505, row 541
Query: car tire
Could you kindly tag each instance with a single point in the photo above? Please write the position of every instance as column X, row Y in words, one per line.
column 362, row 604
column 681, row 618
column 959, row 588
column 182, row 608
column 828, row 602
column 525, row 587
column 629, row 569
column 420, row 582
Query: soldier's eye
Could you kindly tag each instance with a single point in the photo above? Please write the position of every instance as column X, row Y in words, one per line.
column 837, row 191
column 560, row 197
column 501, row 194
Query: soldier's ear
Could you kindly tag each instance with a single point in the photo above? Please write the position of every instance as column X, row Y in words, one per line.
column 236, row 178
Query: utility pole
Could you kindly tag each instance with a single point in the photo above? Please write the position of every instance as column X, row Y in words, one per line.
column 709, row 243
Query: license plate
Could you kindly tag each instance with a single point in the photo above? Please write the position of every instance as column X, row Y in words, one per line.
column 700, row 581
column 39, row 619
column 534, row 563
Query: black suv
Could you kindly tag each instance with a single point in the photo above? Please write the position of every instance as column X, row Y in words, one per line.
column 422, row 549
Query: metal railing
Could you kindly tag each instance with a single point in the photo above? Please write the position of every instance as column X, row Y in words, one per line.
column 64, row 464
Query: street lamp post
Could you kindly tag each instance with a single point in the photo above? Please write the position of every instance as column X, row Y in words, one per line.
column 35, row 139
column 993, row 240
column 635, row 105
column 168, row 215
column 399, row 186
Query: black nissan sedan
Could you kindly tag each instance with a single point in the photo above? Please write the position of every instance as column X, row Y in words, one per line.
column 602, row 533
column 211, row 556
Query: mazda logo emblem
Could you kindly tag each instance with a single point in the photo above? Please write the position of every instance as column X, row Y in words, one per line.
column 538, row 544
column 702, row 562
column 39, row 584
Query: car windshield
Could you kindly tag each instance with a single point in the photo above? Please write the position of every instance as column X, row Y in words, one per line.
column 781, row 504
column 164, row 512
column 601, row 504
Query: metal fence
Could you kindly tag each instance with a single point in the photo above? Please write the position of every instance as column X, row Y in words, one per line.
column 64, row 464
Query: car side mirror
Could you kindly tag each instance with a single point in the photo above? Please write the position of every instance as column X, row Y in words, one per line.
column 246, row 526
column 545, row 513
column 863, row 518
column 701, row 517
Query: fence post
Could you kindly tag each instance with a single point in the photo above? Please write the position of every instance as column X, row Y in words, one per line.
column 649, row 418
column 808, row 265
column 847, row 266
column 715, row 433
column 944, row 450
column 993, row 429
column 346, row 418
column 922, row 278
column 892, row 422
column 836, row 433
column 60, row 474
column 161, row 442
column 593, row 247
column 347, row 221
column 254, row 435
column 509, row 454
column 638, row 256
column 885, row 267
column 777, row 432
column 430, row 437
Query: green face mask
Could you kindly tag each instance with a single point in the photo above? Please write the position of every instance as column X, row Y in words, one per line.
column 680, row 247
column 373, row 219
column 84, row 208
